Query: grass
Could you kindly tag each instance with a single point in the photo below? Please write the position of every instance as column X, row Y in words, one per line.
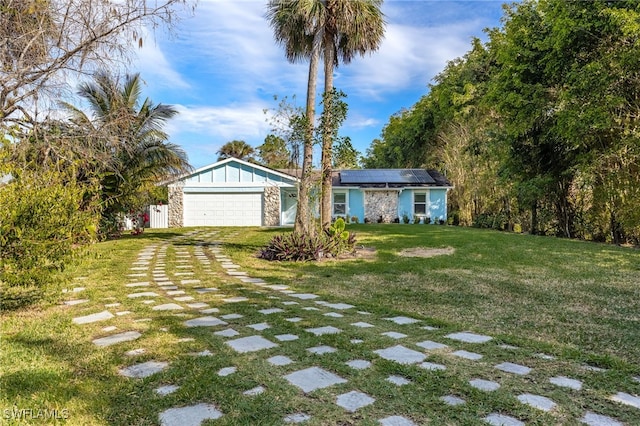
column 576, row 301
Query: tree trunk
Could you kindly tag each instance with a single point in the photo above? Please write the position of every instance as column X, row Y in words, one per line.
column 327, row 134
column 304, row 223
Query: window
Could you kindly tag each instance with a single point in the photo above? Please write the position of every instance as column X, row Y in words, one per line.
column 420, row 204
column 339, row 204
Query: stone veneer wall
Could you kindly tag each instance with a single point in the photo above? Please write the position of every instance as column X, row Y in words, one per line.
column 381, row 203
column 271, row 206
column 176, row 209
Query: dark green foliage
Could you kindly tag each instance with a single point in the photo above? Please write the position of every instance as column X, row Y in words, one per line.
column 297, row 247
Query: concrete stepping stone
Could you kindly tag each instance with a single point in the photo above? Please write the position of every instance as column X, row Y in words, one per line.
column 112, row 305
column 175, row 292
column 431, row 345
column 250, row 344
column 294, row 319
column 143, row 370
column 167, row 307
column 321, row 350
column 304, row 296
column 537, row 401
column 142, row 294
column 467, row 355
column 251, row 280
column 109, row 328
column 137, row 275
column 354, row 400
column 566, row 382
column 236, row 299
column 183, row 274
column 339, row 306
column 168, row 287
column 75, row 302
column 593, row 368
column 192, row 415
column 545, row 357
column 496, row 419
column 227, row 371
column 310, row 308
column 356, row 341
column 136, row 352
column 122, row 313
column 290, row 302
column 204, row 322
column 403, row 320
column 126, row 336
column 509, row 367
column 432, row 366
column 320, row 331
column 627, row 399
column 197, row 305
column 286, row 337
column 593, row 419
column 260, row 326
column 429, row 328
column 394, row 335
column 359, row 364
column 166, row 389
column 204, row 290
column 362, row 324
column 484, row 385
column 229, row 332
column 396, row 421
column 140, row 284
column 270, row 311
column 100, row 316
column 452, row 400
column 187, row 282
column 278, row 287
column 398, row 380
column 333, row 315
column 313, row 378
column 255, row 391
column 231, row 316
column 279, row 360
column 297, row 418
column 467, row 337
column 183, row 299
column 236, row 273
column 401, row 354
column 206, row 352
column 636, row 379
column 509, row 347
column 139, row 268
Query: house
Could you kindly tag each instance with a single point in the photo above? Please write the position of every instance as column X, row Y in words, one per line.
column 234, row 192
column 382, row 195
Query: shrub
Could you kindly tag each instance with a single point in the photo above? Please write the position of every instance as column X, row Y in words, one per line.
column 354, row 219
column 427, row 220
column 416, row 219
column 298, row 247
column 44, row 217
column 405, row 218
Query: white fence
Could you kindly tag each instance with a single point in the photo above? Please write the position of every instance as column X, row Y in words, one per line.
column 159, row 216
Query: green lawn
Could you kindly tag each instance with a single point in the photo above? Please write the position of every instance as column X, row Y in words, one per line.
column 575, row 301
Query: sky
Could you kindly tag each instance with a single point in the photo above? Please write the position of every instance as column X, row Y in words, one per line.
column 221, row 69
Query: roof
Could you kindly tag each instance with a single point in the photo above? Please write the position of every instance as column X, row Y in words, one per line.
column 390, row 178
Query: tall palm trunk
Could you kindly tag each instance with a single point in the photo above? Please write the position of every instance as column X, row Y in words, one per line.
column 304, row 223
column 327, row 134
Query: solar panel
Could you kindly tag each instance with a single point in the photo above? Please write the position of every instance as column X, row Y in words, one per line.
column 394, row 176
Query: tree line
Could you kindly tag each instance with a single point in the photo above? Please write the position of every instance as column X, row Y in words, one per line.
column 537, row 128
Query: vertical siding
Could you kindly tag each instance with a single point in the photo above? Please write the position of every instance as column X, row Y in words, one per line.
column 159, row 216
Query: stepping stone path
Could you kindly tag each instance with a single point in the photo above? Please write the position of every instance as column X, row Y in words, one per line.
column 167, row 280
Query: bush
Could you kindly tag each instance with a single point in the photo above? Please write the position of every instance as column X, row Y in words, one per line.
column 296, row 247
column 44, row 217
column 405, row 218
column 416, row 219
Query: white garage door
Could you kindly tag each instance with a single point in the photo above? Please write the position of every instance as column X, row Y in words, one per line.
column 225, row 209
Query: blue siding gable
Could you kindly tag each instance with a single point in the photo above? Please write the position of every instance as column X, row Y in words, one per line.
column 239, row 173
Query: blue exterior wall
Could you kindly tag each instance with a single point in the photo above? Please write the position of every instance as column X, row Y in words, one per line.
column 405, row 204
column 438, row 204
column 356, row 204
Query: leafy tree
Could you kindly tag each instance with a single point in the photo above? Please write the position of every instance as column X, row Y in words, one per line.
column 274, row 153
column 236, row 149
column 45, row 43
column 289, row 124
column 345, row 156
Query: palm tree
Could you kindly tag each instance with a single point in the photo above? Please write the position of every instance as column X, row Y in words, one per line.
column 293, row 23
column 337, row 30
column 236, row 149
column 127, row 135
column 350, row 27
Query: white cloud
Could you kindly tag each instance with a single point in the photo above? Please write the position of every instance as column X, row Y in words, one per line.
column 152, row 64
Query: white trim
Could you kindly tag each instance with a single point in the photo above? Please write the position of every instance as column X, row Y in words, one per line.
column 427, row 202
column 216, row 185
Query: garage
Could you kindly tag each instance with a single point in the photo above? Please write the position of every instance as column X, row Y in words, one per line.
column 223, row 209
